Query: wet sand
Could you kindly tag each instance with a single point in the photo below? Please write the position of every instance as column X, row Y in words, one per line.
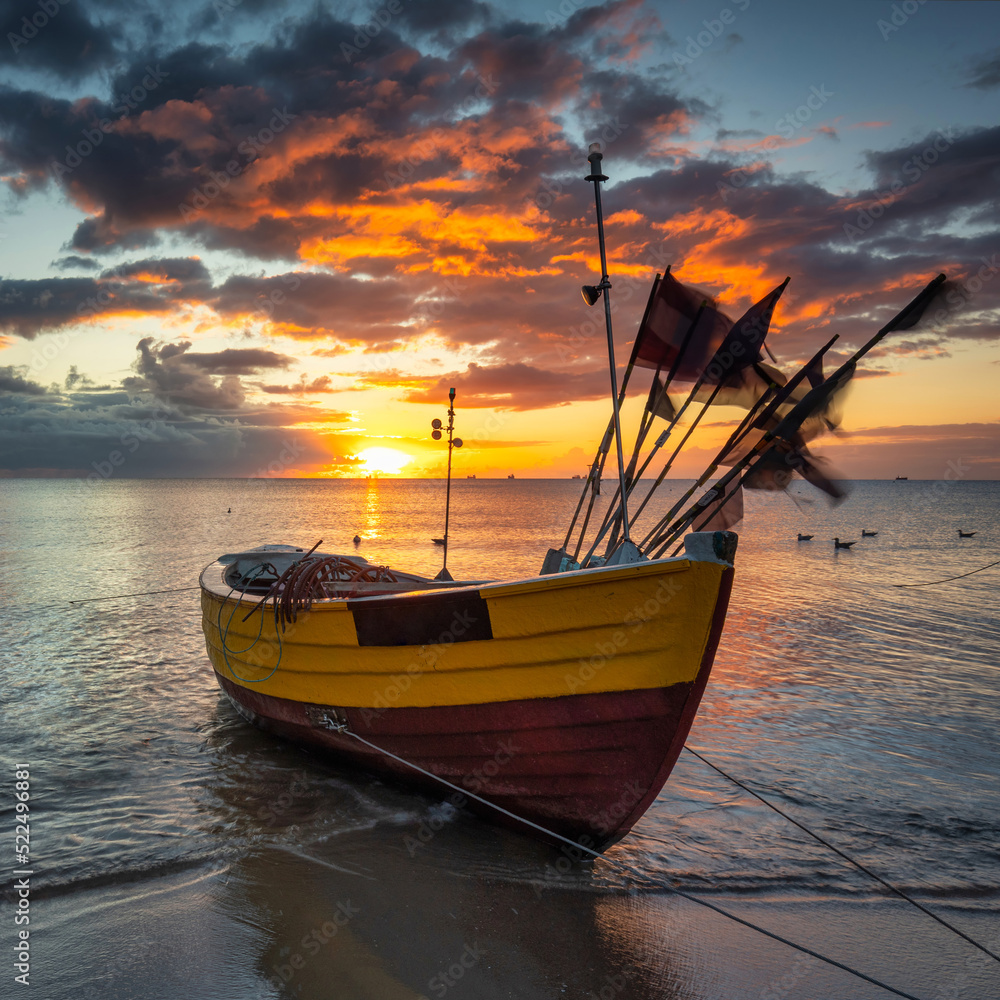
column 366, row 916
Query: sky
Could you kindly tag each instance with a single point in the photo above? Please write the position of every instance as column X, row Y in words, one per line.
column 245, row 238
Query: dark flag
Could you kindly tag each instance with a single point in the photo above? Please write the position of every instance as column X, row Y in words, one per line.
column 734, row 375
column 727, row 516
column 681, row 332
column 779, row 464
column 741, row 347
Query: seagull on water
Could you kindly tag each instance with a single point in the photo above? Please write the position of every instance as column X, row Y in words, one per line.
column 965, row 534
column 865, row 533
column 804, row 538
column 838, row 544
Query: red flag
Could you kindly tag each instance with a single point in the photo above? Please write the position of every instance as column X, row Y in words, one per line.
column 682, row 331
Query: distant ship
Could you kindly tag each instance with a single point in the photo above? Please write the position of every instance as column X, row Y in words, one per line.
column 511, row 476
column 577, row 477
column 904, row 478
column 470, row 477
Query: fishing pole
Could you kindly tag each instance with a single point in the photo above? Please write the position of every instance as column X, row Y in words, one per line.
column 780, row 394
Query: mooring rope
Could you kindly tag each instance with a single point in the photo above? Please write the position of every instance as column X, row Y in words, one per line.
column 122, row 597
column 630, row 869
column 846, row 857
column 931, row 583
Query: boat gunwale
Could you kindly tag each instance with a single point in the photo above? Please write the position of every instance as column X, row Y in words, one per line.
column 486, row 588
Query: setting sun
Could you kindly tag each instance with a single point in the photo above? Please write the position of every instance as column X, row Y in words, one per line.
column 384, row 460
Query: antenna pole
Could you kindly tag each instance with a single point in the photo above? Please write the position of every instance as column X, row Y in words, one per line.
column 447, row 496
column 595, row 157
column 453, row 442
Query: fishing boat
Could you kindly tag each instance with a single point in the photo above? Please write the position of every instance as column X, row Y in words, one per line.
column 564, row 699
column 557, row 703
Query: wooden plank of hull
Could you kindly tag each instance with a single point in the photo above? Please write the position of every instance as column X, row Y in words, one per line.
column 586, row 766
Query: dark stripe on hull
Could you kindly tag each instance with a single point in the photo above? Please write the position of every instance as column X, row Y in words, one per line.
column 421, row 621
column 586, row 766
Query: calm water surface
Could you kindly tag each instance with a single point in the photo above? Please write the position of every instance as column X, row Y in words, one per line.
column 179, row 852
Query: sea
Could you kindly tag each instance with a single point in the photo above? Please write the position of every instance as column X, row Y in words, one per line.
column 170, row 850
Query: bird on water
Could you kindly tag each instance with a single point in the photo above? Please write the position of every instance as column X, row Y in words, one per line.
column 838, row 544
column 965, row 534
column 865, row 533
column 805, row 538
column 357, row 539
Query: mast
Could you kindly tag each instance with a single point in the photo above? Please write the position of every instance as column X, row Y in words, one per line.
column 627, row 551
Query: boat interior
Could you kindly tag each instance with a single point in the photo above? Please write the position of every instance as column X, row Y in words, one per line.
column 323, row 576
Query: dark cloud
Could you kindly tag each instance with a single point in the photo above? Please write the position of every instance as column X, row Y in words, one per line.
column 985, row 74
column 32, row 306
column 98, row 439
column 75, row 261
column 175, row 374
column 58, row 37
column 320, row 384
column 172, row 418
column 12, row 381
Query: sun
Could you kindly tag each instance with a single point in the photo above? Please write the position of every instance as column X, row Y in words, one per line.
column 385, row 460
